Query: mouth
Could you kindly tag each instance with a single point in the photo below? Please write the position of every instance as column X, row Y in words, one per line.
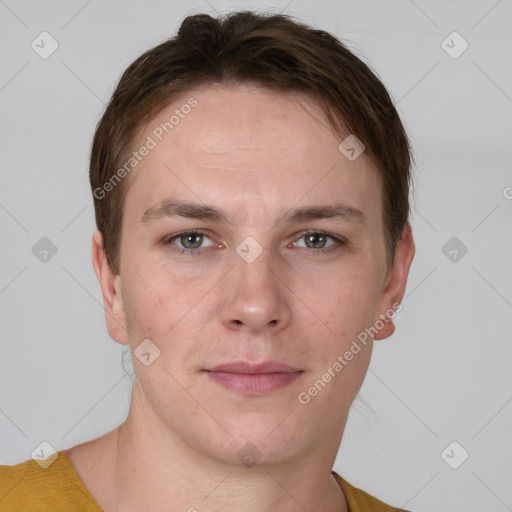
column 254, row 379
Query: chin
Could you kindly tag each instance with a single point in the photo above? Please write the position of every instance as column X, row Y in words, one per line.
column 261, row 445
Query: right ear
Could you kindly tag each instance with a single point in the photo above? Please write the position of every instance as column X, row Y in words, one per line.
column 110, row 283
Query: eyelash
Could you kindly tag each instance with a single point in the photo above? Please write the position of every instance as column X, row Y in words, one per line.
column 339, row 242
column 186, row 252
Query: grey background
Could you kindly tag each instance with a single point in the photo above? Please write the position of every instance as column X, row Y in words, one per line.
column 445, row 374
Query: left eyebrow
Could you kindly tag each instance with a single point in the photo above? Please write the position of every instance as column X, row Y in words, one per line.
column 335, row 211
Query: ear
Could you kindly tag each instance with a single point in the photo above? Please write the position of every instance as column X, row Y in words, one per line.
column 110, row 283
column 396, row 280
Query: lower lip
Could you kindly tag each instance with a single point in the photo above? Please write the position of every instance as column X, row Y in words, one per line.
column 256, row 383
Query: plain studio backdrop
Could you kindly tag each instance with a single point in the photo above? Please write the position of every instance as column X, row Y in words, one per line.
column 431, row 428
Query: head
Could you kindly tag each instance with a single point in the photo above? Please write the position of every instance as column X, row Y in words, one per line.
column 235, row 223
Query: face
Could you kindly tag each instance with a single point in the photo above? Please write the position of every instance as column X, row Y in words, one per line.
column 248, row 238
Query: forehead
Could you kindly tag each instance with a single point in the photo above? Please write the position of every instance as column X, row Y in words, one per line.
column 245, row 142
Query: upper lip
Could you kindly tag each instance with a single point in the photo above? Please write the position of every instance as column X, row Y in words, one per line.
column 250, row 368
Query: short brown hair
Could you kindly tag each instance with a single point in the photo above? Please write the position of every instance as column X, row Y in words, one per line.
column 270, row 50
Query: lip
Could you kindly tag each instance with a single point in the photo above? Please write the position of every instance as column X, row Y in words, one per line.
column 250, row 368
column 254, row 379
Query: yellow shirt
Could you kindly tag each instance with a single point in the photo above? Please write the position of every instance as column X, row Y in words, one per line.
column 27, row 487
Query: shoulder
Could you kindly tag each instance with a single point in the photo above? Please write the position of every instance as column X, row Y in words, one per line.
column 360, row 501
column 42, row 486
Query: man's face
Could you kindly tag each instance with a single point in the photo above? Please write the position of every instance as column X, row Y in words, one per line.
column 253, row 270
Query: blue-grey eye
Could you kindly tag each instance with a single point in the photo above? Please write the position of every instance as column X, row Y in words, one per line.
column 191, row 240
column 315, row 240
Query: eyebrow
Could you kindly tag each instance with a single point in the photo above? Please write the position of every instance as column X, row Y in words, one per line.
column 171, row 208
column 335, row 211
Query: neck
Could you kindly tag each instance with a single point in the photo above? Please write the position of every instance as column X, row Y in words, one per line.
column 149, row 469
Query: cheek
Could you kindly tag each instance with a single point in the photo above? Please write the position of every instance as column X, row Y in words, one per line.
column 159, row 299
column 343, row 311
column 343, row 302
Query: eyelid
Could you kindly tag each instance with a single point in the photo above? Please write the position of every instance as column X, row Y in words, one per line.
column 205, row 232
column 340, row 240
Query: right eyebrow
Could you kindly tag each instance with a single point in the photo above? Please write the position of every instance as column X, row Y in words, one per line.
column 171, row 208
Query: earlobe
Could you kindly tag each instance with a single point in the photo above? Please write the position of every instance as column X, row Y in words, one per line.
column 396, row 281
column 111, row 290
column 387, row 330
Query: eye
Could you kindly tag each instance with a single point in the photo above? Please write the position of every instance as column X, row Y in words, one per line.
column 318, row 240
column 189, row 241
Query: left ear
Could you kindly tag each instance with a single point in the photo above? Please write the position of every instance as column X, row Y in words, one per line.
column 396, row 281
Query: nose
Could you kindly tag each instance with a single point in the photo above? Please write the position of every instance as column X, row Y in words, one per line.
column 256, row 298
